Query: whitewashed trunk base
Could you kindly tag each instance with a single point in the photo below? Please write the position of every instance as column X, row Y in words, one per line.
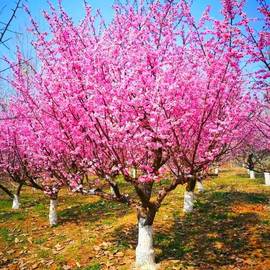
column 145, row 255
column 134, row 173
column 248, row 171
column 200, row 187
column 267, row 178
column 53, row 213
column 252, row 174
column 188, row 202
column 217, row 170
column 15, row 202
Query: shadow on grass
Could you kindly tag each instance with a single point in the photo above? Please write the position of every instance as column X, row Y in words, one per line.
column 125, row 237
column 99, row 210
column 225, row 170
column 16, row 216
column 7, row 213
column 5, row 204
column 259, row 177
column 212, row 236
column 92, row 211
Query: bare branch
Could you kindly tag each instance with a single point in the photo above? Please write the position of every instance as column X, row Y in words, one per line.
column 2, row 34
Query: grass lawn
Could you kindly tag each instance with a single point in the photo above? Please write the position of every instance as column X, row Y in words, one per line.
column 229, row 229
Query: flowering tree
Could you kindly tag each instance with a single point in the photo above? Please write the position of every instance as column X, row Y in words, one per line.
column 12, row 165
column 258, row 51
column 154, row 91
column 16, row 165
column 256, row 147
column 10, row 169
column 254, row 154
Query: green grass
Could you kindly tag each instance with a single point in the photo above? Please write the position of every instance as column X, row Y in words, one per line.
column 94, row 211
column 5, row 204
column 121, row 244
column 39, row 207
column 4, row 234
column 60, row 258
column 12, row 215
column 95, row 266
column 40, row 241
column 44, row 253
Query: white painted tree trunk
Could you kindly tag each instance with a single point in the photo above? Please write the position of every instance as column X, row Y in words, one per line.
column 16, row 202
column 267, row 178
column 252, row 174
column 188, row 201
column 217, row 170
column 248, row 171
column 200, row 186
column 133, row 172
column 145, row 255
column 53, row 213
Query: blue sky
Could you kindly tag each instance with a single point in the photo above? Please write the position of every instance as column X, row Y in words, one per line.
column 75, row 9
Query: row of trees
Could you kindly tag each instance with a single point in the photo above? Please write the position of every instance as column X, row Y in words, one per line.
column 153, row 93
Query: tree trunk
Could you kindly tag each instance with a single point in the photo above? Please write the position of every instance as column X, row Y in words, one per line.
column 250, row 162
column 15, row 202
column 19, row 189
column 267, row 178
column 216, row 170
column 252, row 174
column 134, row 172
column 200, row 186
column 115, row 190
column 145, row 254
column 52, row 212
column 189, row 196
column 16, row 198
column 9, row 193
column 188, row 201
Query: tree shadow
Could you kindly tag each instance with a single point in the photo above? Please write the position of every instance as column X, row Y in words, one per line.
column 259, row 177
column 91, row 212
column 242, row 175
column 125, row 237
column 213, row 235
column 225, row 170
column 12, row 215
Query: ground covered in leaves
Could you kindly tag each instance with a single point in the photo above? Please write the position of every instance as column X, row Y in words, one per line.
column 229, row 229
